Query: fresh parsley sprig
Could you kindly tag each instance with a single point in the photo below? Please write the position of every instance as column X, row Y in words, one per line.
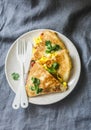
column 15, row 76
column 53, row 68
column 35, row 87
column 51, row 48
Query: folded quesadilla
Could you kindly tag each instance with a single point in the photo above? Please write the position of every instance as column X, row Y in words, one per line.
column 40, row 82
column 50, row 66
column 42, row 41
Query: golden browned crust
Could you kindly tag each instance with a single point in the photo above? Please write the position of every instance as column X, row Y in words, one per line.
column 47, row 82
column 65, row 67
column 53, row 37
column 39, row 51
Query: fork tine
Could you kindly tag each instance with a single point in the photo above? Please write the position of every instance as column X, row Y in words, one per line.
column 22, row 48
column 25, row 46
column 17, row 47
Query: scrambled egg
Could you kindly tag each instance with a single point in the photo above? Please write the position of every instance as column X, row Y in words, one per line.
column 51, row 55
column 64, row 84
column 43, row 60
column 37, row 40
column 45, row 66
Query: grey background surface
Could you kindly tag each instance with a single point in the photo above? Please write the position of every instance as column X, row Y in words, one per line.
column 73, row 19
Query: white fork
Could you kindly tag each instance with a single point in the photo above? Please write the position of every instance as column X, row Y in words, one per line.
column 21, row 96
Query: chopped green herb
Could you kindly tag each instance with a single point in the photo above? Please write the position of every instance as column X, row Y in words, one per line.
column 55, row 65
column 36, row 83
column 32, row 88
column 15, row 76
column 37, row 90
column 56, row 47
column 53, row 68
column 51, row 48
column 40, row 90
column 33, row 80
column 48, row 43
column 48, row 51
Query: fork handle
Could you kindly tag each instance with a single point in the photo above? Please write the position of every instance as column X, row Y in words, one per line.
column 24, row 99
column 16, row 102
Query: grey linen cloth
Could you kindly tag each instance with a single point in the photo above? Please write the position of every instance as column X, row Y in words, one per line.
column 73, row 19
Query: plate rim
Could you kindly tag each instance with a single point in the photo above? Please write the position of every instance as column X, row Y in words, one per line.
column 31, row 32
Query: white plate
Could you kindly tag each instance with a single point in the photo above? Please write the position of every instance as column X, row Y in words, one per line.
column 12, row 65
